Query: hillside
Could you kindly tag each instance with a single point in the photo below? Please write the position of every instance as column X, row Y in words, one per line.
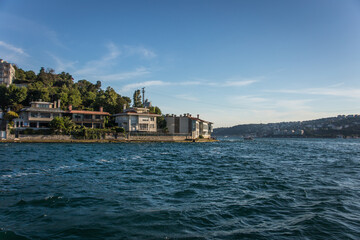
column 345, row 126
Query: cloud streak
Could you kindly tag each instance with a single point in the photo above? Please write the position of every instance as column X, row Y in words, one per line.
column 13, row 49
column 239, row 83
column 131, row 86
column 326, row 91
column 124, row 75
column 140, row 51
column 62, row 65
column 255, row 102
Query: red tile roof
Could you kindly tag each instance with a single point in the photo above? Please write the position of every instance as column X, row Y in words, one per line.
column 88, row 112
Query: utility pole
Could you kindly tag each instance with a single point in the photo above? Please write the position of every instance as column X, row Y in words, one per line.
column 143, row 92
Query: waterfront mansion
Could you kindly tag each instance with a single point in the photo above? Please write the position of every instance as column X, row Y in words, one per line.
column 137, row 119
column 40, row 114
column 189, row 125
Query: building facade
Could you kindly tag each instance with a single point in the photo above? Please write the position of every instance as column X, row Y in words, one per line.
column 187, row 124
column 89, row 119
column 137, row 120
column 7, row 73
column 38, row 115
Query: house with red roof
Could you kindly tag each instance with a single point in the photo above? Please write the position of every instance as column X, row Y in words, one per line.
column 89, row 119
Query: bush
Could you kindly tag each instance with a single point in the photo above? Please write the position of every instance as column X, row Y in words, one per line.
column 119, row 129
column 90, row 133
column 201, row 136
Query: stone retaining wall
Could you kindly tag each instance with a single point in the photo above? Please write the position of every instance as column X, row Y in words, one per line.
column 157, row 138
column 40, row 137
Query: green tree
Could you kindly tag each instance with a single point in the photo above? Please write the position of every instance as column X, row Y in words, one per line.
column 20, row 74
column 36, row 91
column 155, row 110
column 11, row 95
column 137, row 99
column 30, row 76
column 62, row 125
column 57, row 124
column 74, row 97
column 10, row 115
column 161, row 122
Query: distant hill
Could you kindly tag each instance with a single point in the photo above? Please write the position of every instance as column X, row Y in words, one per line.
column 340, row 126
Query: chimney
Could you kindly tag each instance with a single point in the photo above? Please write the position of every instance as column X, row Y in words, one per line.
column 101, row 109
column 198, row 116
column 70, row 107
column 54, row 106
column 124, row 107
column 58, row 103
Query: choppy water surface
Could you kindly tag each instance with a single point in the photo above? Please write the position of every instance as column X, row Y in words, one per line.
column 234, row 189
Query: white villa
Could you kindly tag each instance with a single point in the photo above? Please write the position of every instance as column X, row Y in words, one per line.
column 137, row 120
column 187, row 124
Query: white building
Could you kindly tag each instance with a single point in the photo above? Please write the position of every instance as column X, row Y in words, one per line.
column 137, row 120
column 186, row 124
column 7, row 73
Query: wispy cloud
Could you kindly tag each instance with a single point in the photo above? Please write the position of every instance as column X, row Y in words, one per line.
column 239, row 83
column 187, row 97
column 113, row 52
column 140, row 51
column 124, row 75
column 94, row 66
column 132, row 86
column 327, row 91
column 13, row 49
column 258, row 102
column 62, row 65
column 229, row 82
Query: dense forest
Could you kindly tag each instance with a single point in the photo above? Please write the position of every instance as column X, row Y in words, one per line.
column 49, row 86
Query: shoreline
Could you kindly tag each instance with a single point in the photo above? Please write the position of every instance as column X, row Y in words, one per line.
column 105, row 141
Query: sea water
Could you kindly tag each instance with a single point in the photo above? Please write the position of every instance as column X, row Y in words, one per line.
column 232, row 189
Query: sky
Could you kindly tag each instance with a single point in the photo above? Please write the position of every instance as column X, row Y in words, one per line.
column 232, row 62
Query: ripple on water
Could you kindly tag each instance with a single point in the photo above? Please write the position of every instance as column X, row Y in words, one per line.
column 235, row 189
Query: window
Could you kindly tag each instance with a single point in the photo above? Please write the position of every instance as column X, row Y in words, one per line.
column 152, row 125
column 77, row 117
column 45, row 115
column 43, row 105
column 34, row 114
column 43, row 125
column 97, row 117
column 143, row 127
column 87, row 116
column 152, row 119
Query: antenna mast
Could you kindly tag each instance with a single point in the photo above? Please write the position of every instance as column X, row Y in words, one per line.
column 143, row 92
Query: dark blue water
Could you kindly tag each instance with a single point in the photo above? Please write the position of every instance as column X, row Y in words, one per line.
column 234, row 189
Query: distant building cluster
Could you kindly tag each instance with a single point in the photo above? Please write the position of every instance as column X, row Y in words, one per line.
column 133, row 120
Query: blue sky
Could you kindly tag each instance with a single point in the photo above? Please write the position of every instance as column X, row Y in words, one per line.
column 232, row 62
